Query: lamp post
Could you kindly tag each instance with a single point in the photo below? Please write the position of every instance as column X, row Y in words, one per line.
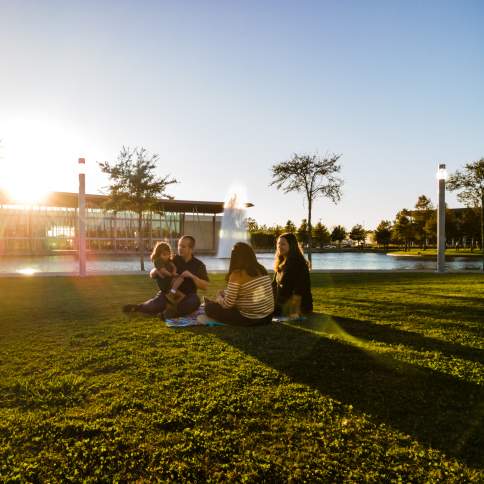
column 441, row 177
column 82, row 217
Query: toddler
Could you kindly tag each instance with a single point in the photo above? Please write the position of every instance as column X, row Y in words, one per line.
column 166, row 276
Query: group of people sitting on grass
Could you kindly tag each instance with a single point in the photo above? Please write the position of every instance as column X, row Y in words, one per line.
column 251, row 296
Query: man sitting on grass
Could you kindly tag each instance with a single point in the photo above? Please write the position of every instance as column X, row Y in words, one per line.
column 195, row 276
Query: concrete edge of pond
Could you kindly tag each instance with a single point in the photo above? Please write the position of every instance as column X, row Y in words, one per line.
column 448, row 258
column 316, row 271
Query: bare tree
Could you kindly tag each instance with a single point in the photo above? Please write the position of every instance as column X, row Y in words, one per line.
column 471, row 183
column 313, row 175
column 135, row 186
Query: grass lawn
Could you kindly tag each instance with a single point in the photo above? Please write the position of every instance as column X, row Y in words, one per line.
column 384, row 384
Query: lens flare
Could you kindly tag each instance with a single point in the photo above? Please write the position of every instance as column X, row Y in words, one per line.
column 27, row 271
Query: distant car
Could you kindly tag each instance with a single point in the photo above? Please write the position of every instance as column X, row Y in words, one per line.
column 329, row 246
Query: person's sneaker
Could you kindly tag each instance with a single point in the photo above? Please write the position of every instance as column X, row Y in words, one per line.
column 206, row 300
column 130, row 308
column 202, row 319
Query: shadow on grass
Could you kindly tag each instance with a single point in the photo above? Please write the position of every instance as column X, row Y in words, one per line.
column 445, row 297
column 473, row 313
column 56, row 300
column 437, row 410
column 365, row 330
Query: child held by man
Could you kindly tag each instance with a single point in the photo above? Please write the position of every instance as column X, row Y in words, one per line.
column 166, row 276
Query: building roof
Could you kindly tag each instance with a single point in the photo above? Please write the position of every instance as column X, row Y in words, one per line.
column 70, row 200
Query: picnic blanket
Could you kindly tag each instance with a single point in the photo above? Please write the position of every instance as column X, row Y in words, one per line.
column 192, row 320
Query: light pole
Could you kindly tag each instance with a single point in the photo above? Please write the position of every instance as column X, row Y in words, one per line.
column 441, row 177
column 82, row 217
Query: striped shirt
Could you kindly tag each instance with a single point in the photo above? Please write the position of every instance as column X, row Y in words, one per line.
column 254, row 299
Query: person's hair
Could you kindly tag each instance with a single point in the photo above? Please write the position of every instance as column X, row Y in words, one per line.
column 160, row 248
column 294, row 256
column 191, row 240
column 243, row 258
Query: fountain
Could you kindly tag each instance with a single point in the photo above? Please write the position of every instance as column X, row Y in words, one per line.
column 234, row 225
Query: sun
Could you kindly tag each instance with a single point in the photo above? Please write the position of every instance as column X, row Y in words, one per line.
column 27, row 193
column 34, row 154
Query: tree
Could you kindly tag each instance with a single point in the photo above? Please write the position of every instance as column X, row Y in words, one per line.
column 321, row 235
column 313, row 175
column 277, row 230
column 470, row 182
column 430, row 228
column 451, row 226
column 135, row 186
column 338, row 234
column 290, row 227
column 252, row 225
column 424, row 203
column 302, row 233
column 358, row 234
column 383, row 233
column 262, row 240
column 422, row 214
column 470, row 225
column 404, row 228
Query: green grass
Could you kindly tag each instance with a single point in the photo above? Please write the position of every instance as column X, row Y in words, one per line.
column 384, row 384
column 433, row 252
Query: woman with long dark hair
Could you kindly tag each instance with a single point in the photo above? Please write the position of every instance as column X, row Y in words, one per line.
column 248, row 299
column 291, row 283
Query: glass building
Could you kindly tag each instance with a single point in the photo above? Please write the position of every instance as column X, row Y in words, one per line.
column 50, row 227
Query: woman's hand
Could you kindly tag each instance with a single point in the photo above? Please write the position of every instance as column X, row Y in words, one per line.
column 219, row 298
column 294, row 306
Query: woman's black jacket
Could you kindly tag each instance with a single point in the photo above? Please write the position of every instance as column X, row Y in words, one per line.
column 293, row 279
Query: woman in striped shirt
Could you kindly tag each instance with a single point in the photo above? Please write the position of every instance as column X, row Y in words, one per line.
column 248, row 299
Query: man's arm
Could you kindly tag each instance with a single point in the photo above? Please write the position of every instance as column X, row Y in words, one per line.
column 160, row 273
column 199, row 282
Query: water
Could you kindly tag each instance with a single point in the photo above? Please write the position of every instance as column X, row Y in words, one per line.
column 326, row 261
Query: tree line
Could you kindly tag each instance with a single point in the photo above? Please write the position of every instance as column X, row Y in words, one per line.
column 264, row 237
column 314, row 176
column 409, row 229
column 418, row 227
column 134, row 185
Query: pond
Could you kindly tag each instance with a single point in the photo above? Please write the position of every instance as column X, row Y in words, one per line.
column 324, row 261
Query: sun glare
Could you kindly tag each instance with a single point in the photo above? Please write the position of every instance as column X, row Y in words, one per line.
column 27, row 193
column 28, row 271
column 37, row 155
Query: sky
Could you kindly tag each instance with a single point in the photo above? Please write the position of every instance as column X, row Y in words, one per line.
column 223, row 90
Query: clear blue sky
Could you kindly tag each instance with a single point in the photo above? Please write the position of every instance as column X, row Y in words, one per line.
column 221, row 90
